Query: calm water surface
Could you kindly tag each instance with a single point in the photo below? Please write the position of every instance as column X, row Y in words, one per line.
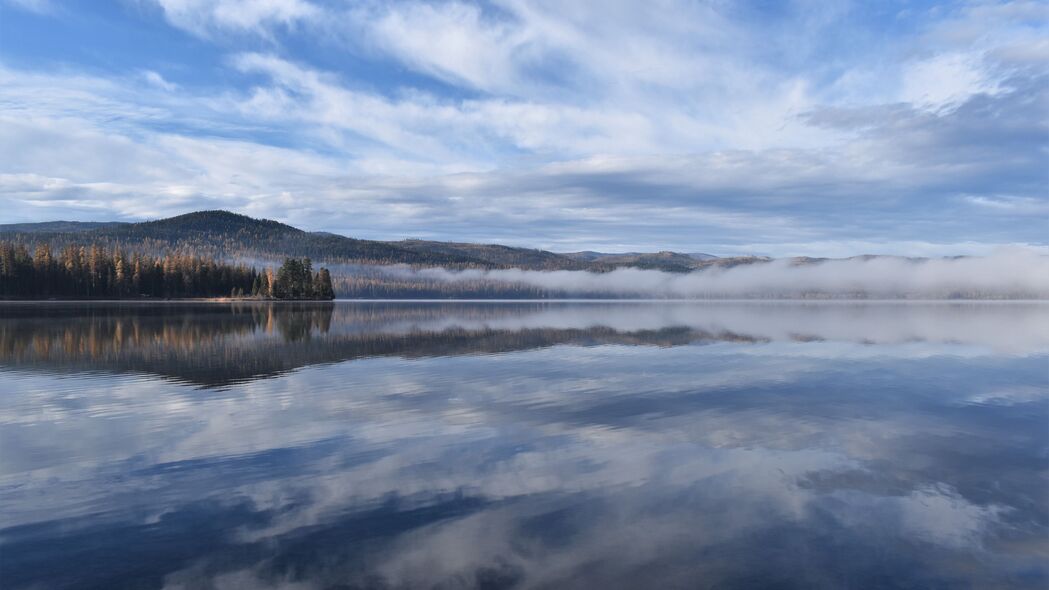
column 524, row 445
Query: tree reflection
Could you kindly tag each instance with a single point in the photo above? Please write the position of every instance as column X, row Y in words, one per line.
column 214, row 345
column 224, row 344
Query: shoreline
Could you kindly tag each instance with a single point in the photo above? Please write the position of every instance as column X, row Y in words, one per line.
column 145, row 301
column 169, row 300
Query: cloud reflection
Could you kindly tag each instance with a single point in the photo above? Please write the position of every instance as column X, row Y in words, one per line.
column 589, row 457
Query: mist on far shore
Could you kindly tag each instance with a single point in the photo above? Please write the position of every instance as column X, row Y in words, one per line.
column 1006, row 274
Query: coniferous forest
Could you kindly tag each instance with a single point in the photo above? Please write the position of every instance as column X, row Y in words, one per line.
column 93, row 272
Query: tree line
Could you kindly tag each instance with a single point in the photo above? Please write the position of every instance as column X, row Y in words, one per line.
column 295, row 279
column 92, row 271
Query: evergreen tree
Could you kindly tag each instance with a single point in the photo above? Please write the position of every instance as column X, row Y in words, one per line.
column 295, row 280
column 322, row 285
column 79, row 271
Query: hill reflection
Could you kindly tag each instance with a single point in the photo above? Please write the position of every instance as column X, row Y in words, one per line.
column 215, row 345
column 524, row 445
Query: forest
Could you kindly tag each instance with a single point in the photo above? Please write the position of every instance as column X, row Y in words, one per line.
column 94, row 272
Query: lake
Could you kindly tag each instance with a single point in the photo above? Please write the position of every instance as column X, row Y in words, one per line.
column 524, row 445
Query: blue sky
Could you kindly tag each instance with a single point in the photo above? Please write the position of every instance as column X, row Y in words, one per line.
column 776, row 127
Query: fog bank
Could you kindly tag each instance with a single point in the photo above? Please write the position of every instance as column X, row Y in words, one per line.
column 1014, row 274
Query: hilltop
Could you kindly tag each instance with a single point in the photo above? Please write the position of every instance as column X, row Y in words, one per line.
column 223, row 234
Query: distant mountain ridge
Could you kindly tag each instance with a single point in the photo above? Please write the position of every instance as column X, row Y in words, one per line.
column 664, row 260
column 57, row 226
column 228, row 235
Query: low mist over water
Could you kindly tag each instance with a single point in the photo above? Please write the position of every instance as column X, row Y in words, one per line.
column 523, row 445
column 1008, row 274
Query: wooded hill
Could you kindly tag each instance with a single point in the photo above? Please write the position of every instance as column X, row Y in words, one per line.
column 223, row 235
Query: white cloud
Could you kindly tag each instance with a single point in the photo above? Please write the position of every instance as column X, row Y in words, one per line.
column 942, row 79
column 450, row 41
column 1010, row 204
column 678, row 126
column 207, row 17
column 394, row 167
column 667, row 78
column 157, row 80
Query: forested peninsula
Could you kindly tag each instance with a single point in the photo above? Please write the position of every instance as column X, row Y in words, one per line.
column 217, row 240
column 94, row 272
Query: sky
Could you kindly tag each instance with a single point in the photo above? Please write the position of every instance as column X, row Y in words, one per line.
column 774, row 127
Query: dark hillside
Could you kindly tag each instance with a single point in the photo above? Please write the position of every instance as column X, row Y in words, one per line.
column 57, row 226
column 226, row 235
column 209, row 222
column 497, row 255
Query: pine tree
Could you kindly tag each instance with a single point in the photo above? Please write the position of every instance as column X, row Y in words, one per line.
column 80, row 271
column 322, row 285
column 295, row 280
